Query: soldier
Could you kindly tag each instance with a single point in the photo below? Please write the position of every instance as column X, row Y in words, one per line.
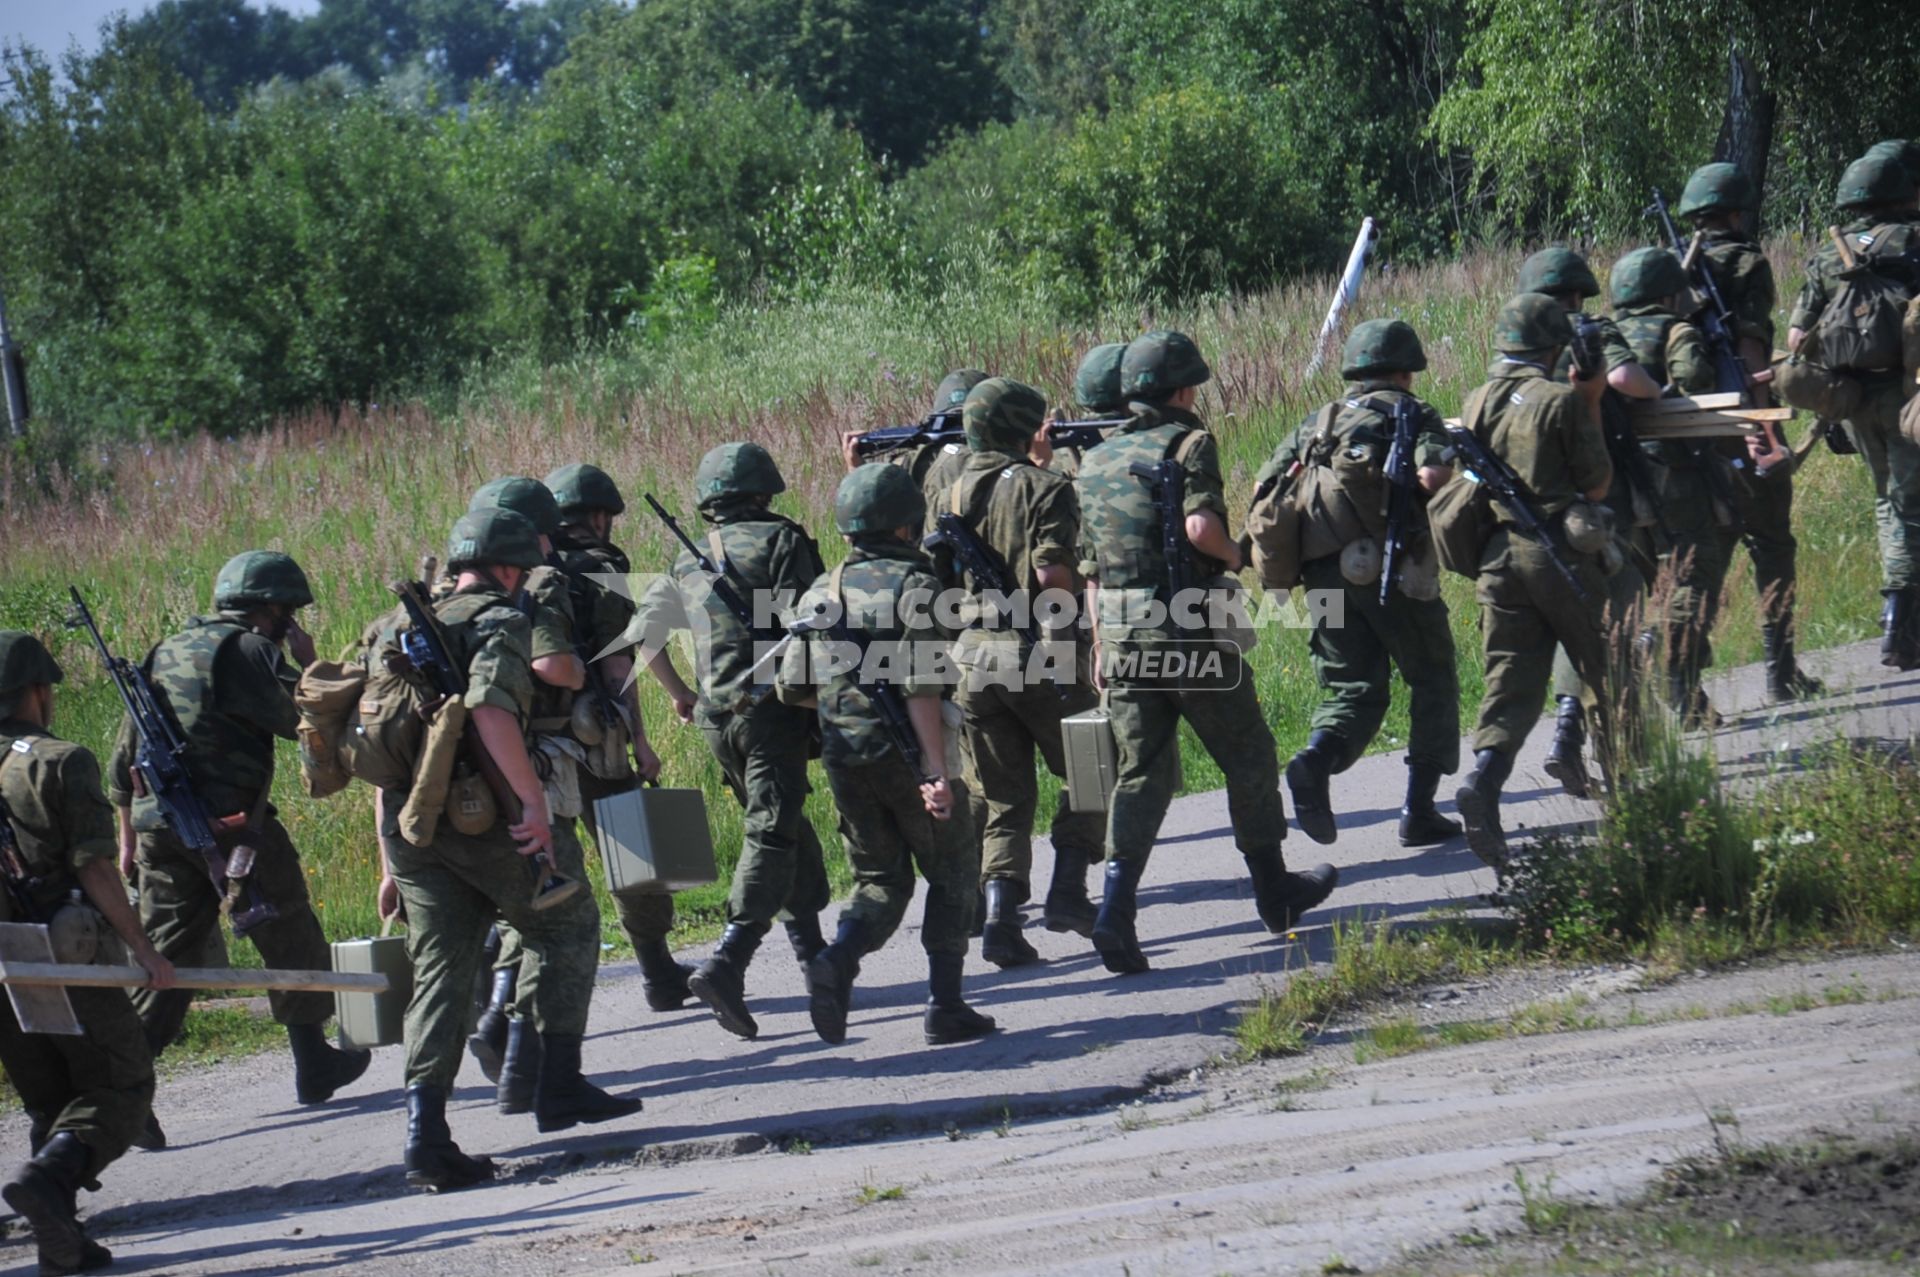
column 1355, row 659
column 933, row 465
column 227, row 683
column 892, row 820
column 761, row 744
column 1884, row 232
column 1029, row 522
column 1096, row 389
column 1128, row 577
column 1549, row 434
column 453, row 888
column 87, row 1097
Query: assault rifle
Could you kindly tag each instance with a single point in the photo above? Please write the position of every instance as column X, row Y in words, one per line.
column 160, row 772
column 1504, row 486
column 945, row 428
column 831, row 620
column 1588, row 353
column 1401, row 481
column 987, row 568
column 1167, row 481
column 722, row 590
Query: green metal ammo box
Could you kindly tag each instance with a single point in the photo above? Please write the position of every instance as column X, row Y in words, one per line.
column 655, row 835
column 374, row 1019
column 1088, row 741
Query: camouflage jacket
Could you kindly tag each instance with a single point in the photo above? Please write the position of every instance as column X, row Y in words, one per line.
column 601, row 609
column 1027, row 516
column 1353, row 435
column 889, row 590
column 492, row 639
column 60, row 818
column 555, row 633
column 1613, row 345
column 769, row 561
column 1901, row 238
column 1744, row 277
column 231, row 692
column 1671, row 350
column 1541, row 429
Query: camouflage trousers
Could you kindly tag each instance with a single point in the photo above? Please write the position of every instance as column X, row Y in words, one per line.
column 645, row 910
column 763, row 756
column 570, row 858
column 1526, row 608
column 1701, row 530
column 98, row 1086
column 1622, row 610
column 1004, row 728
column 889, row 835
column 1895, row 463
column 180, row 912
column 1763, row 510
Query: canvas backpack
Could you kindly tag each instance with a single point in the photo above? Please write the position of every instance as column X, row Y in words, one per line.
column 1863, row 328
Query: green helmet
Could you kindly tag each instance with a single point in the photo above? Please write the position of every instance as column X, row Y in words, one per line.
column 24, row 661
column 736, row 470
column 878, row 499
column 1002, row 415
column 953, row 388
column 1558, row 270
column 260, row 576
column 1872, row 180
column 526, row 497
column 494, row 535
column 1096, row 387
column 1160, row 363
column 1382, row 345
column 1898, row 148
column 1531, row 321
column 1646, row 275
column 1715, row 188
column 581, row 486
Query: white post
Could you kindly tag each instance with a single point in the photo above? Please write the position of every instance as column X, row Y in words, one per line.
column 1345, row 295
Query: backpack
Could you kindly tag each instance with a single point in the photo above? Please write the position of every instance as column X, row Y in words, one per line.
column 1273, row 530
column 360, row 716
column 1863, row 328
column 1461, row 513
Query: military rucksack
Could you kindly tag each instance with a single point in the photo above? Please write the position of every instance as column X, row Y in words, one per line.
column 1461, row 514
column 1863, row 328
column 360, row 716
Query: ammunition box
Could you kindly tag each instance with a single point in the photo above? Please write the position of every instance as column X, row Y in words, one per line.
column 1088, row 741
column 374, row 1019
column 652, row 835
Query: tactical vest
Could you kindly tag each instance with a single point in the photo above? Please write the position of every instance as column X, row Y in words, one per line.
column 225, row 757
column 50, row 881
column 1128, row 531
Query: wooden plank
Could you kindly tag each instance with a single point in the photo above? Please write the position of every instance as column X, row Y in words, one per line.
column 90, row 975
column 38, row 1010
column 1695, row 432
column 1661, row 407
column 1733, row 425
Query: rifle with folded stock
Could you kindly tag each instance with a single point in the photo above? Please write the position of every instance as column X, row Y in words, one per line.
column 1402, row 478
column 1504, row 486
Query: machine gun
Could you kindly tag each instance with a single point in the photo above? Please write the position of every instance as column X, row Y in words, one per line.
column 1167, row 481
column 1401, row 481
column 1504, row 486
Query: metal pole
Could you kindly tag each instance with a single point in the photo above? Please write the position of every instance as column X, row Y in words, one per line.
column 1345, row 295
column 13, row 370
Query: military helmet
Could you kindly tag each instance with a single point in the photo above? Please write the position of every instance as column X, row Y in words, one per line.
column 1002, row 415
column 878, row 499
column 1646, row 275
column 24, row 661
column 1872, row 180
column 1096, row 387
column 526, row 497
column 1899, row 148
column 261, row 576
column 494, row 534
column 736, row 470
column 1716, row 188
column 1558, row 270
column 1156, row 365
column 582, row 486
column 953, row 388
column 1531, row 321
column 1382, row 345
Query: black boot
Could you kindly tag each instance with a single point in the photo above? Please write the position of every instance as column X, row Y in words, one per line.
column 151, row 1138
column 721, row 981
column 519, row 1067
column 564, row 1098
column 1307, row 776
column 1566, row 760
column 949, row 1018
column 1421, row 824
column 320, row 1069
column 1900, row 619
column 830, row 979
column 1282, row 898
column 979, row 928
column 433, row 1160
column 1690, row 703
column 803, row 933
column 1786, row 681
column 42, row 1193
column 1478, row 801
column 1001, row 943
column 489, row 1040
column 1113, row 929
column 664, row 981
column 1068, row 907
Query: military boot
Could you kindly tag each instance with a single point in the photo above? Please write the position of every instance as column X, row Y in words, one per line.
column 320, row 1069
column 489, row 1040
column 1307, row 777
column 830, row 979
column 519, row 1067
column 664, row 981
column 1113, row 929
column 1002, row 943
column 979, row 928
column 433, row 1160
column 721, row 981
column 152, row 1137
column 563, row 1098
column 1421, row 824
column 1478, row 801
column 1786, row 681
column 1566, row 758
column 1280, row 897
column 1900, row 619
column 1690, row 703
column 949, row 1018
column 1068, row 907
column 42, row 1193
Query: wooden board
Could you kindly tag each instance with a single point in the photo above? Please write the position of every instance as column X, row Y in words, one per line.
column 37, row 1008
column 27, row 974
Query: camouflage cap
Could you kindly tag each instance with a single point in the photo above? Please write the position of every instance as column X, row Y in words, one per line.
column 1872, row 180
column 1898, row 148
column 1002, row 415
column 1558, row 270
column 878, row 499
column 581, row 486
column 1646, row 275
column 261, row 576
column 529, row 498
column 953, row 388
column 493, row 535
column 25, row 661
column 1096, row 387
column 1531, row 321
column 1156, row 365
column 736, row 470
column 1714, row 188
column 1382, row 345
